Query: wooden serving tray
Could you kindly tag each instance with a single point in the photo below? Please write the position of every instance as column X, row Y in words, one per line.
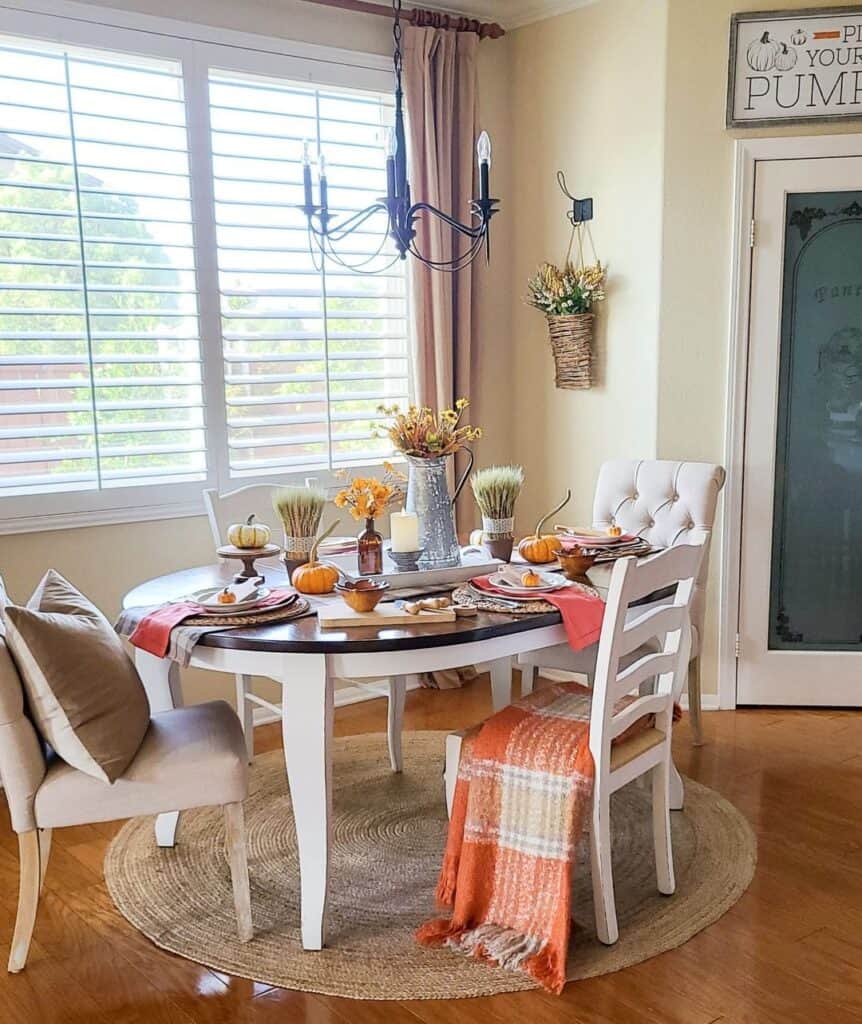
column 337, row 614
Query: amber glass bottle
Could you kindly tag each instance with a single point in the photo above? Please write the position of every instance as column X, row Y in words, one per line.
column 370, row 550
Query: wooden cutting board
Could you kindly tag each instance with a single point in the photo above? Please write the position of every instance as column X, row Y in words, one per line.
column 338, row 614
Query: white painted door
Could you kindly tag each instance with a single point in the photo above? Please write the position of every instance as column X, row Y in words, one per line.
column 801, row 570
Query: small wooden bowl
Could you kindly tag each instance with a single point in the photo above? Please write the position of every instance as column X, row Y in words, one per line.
column 575, row 563
column 364, row 595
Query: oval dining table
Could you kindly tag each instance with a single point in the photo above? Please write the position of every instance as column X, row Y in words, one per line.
column 306, row 660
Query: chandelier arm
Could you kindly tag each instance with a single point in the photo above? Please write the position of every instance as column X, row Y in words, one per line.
column 476, row 231
column 458, row 263
column 357, row 267
column 355, row 220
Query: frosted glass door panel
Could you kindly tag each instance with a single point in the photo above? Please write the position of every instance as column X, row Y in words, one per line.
column 816, row 564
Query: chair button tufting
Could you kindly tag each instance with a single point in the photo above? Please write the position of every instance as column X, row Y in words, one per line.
column 635, row 496
column 650, row 522
column 674, row 497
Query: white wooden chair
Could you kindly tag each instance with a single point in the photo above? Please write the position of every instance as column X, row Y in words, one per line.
column 190, row 757
column 234, row 507
column 667, row 503
column 647, row 751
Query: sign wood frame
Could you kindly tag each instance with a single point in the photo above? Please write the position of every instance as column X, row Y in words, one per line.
column 795, row 67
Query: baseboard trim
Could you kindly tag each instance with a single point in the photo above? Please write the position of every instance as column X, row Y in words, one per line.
column 344, row 697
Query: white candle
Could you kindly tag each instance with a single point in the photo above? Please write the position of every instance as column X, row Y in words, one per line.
column 404, row 531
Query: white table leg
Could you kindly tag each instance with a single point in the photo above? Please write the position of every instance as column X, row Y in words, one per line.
column 395, row 719
column 307, row 730
column 501, row 683
column 161, row 679
column 677, row 789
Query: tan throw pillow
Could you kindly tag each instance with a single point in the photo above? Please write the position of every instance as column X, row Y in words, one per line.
column 85, row 695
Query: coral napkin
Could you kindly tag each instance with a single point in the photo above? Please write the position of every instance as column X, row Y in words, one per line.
column 153, row 632
column 582, row 613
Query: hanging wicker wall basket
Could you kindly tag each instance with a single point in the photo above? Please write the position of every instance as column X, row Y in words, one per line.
column 571, row 345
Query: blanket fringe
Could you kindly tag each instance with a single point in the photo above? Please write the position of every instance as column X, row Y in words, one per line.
column 504, row 947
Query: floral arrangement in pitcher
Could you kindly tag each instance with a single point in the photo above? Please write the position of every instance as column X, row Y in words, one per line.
column 368, row 497
column 424, row 434
column 568, row 290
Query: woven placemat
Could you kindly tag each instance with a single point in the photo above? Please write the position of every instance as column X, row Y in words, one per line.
column 468, row 596
column 282, row 613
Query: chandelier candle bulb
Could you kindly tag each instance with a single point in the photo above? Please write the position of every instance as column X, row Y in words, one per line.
column 306, row 175
column 324, row 186
column 404, row 531
column 483, row 150
column 391, row 149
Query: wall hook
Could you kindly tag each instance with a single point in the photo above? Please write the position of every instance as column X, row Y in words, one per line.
column 582, row 209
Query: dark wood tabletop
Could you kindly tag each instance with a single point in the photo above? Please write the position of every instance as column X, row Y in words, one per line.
column 304, row 636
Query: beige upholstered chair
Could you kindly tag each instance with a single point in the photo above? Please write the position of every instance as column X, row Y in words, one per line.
column 190, row 757
column 667, row 503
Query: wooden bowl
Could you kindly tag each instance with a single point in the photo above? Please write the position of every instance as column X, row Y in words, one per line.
column 362, row 596
column 575, row 563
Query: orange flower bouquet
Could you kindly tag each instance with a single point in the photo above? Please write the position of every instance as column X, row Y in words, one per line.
column 368, row 498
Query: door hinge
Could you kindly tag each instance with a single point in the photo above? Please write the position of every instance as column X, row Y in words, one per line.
column 752, row 233
column 737, row 646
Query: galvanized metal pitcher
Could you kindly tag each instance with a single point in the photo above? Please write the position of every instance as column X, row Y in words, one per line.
column 428, row 497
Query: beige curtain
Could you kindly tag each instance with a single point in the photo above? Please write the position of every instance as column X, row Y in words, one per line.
column 440, row 93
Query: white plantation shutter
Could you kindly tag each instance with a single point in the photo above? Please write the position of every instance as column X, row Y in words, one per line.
column 100, row 373
column 163, row 325
column 310, row 351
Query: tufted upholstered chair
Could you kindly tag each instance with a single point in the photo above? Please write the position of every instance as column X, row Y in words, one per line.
column 666, row 503
column 190, row 757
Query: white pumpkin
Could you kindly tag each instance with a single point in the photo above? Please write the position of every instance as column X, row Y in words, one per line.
column 249, row 535
column 476, row 538
column 785, row 59
column 761, row 53
column 799, row 37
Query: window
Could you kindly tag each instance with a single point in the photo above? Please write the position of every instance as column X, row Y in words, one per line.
column 310, row 349
column 100, row 373
column 163, row 325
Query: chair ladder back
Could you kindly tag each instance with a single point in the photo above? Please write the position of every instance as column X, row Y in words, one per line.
column 236, row 506
column 668, row 624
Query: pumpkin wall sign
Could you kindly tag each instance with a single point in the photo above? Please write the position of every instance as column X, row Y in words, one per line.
column 795, row 66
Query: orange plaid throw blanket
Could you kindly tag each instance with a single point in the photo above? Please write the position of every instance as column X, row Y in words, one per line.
column 524, row 789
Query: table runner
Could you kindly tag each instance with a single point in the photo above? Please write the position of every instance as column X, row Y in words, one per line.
column 184, row 636
column 582, row 612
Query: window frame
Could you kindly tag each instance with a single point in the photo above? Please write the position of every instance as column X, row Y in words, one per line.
column 197, row 48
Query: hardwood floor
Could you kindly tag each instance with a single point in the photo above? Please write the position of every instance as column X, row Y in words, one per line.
column 790, row 951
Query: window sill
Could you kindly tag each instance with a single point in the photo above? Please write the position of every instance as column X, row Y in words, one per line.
column 101, row 517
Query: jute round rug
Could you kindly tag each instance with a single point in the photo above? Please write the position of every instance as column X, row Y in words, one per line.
column 388, row 837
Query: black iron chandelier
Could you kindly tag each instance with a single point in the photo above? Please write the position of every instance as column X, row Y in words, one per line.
column 325, row 233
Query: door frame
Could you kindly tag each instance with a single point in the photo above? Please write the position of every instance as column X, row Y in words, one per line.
column 748, row 153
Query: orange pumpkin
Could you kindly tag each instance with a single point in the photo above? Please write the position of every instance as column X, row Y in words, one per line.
column 316, row 577
column 530, row 578
column 543, row 547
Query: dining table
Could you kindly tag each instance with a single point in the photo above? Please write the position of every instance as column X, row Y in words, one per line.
column 306, row 660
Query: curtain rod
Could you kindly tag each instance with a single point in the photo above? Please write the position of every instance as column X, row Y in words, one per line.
column 422, row 18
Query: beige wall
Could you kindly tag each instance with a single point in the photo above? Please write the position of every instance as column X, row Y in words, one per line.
column 586, row 101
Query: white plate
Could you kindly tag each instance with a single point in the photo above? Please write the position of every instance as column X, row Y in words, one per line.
column 510, row 595
column 600, row 541
column 550, row 581
column 206, row 599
